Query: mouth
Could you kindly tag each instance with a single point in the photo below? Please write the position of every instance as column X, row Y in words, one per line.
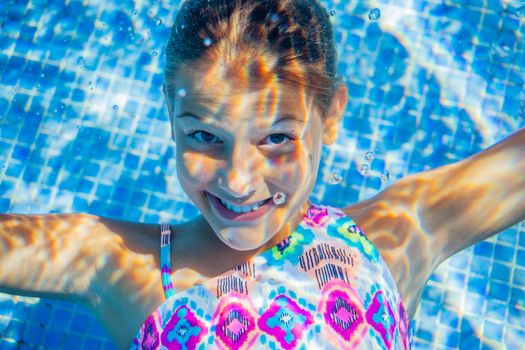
column 239, row 214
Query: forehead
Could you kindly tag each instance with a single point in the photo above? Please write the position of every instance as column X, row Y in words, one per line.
column 213, row 88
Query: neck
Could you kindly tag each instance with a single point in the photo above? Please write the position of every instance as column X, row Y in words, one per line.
column 283, row 233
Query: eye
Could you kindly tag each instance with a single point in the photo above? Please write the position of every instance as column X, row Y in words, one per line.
column 205, row 137
column 202, row 136
column 278, row 139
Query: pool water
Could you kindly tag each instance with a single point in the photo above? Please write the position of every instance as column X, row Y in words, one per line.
column 83, row 128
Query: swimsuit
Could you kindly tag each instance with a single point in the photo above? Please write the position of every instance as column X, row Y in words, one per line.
column 323, row 287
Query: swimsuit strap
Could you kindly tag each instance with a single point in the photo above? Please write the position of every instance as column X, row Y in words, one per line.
column 165, row 259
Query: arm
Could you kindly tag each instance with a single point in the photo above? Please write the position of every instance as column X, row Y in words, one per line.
column 110, row 266
column 53, row 255
column 424, row 218
column 476, row 198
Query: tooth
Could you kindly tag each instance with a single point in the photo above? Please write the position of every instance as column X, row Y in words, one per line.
column 239, row 209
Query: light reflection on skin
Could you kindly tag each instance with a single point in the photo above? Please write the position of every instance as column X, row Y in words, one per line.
column 113, row 266
column 423, row 219
column 241, row 161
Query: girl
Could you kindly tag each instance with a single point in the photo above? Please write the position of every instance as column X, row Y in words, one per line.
column 252, row 93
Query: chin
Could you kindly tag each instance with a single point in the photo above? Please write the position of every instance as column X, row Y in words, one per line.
column 240, row 241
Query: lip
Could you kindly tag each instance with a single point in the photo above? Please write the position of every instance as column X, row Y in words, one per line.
column 229, row 215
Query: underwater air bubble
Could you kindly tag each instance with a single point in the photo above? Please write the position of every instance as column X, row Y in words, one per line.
column 369, row 155
column 207, row 41
column 364, row 169
column 181, row 92
column 157, row 20
column 332, row 13
column 37, row 86
column 520, row 12
column 385, row 176
column 115, row 107
column 155, row 53
column 335, row 178
column 279, row 198
column 374, row 14
column 274, row 17
column 134, row 11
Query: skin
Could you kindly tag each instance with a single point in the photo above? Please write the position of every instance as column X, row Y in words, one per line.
column 250, row 152
column 416, row 223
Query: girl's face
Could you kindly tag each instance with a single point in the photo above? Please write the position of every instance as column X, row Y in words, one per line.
column 242, row 146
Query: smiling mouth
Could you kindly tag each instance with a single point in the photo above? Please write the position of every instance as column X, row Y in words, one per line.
column 242, row 213
column 240, row 208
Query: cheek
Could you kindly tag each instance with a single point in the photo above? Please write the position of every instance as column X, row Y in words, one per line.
column 293, row 169
column 194, row 168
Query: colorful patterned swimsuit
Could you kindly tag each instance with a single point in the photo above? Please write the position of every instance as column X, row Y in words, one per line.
column 324, row 287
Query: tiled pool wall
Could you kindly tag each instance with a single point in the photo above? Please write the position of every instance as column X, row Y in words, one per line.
column 83, row 128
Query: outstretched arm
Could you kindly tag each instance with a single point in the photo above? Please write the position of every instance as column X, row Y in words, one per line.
column 53, row 255
column 424, row 218
column 468, row 201
column 108, row 265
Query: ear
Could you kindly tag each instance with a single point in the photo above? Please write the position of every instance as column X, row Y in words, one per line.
column 170, row 110
column 337, row 109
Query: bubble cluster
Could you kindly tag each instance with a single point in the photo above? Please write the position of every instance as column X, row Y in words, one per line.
column 335, row 178
column 365, row 169
column 279, row 198
column 374, row 14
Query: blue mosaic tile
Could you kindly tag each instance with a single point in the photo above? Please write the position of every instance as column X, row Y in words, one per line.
column 452, row 339
column 80, row 322
column 469, row 341
column 34, row 334
column 503, row 253
column 493, row 330
column 518, row 279
column 93, row 343
column 484, row 249
column 489, row 276
column 499, row 291
column 496, row 309
column 449, row 318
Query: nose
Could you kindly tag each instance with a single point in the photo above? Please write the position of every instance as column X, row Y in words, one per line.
column 237, row 181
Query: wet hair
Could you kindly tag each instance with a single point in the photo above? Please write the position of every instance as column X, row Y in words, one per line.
column 290, row 40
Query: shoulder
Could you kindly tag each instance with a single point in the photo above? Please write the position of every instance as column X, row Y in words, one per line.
column 131, row 275
column 390, row 221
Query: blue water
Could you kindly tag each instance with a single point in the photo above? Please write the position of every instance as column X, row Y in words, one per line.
column 83, row 128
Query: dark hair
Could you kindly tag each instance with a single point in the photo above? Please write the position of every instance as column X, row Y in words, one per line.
column 297, row 34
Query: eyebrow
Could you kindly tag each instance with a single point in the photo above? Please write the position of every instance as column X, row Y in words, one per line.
column 281, row 119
